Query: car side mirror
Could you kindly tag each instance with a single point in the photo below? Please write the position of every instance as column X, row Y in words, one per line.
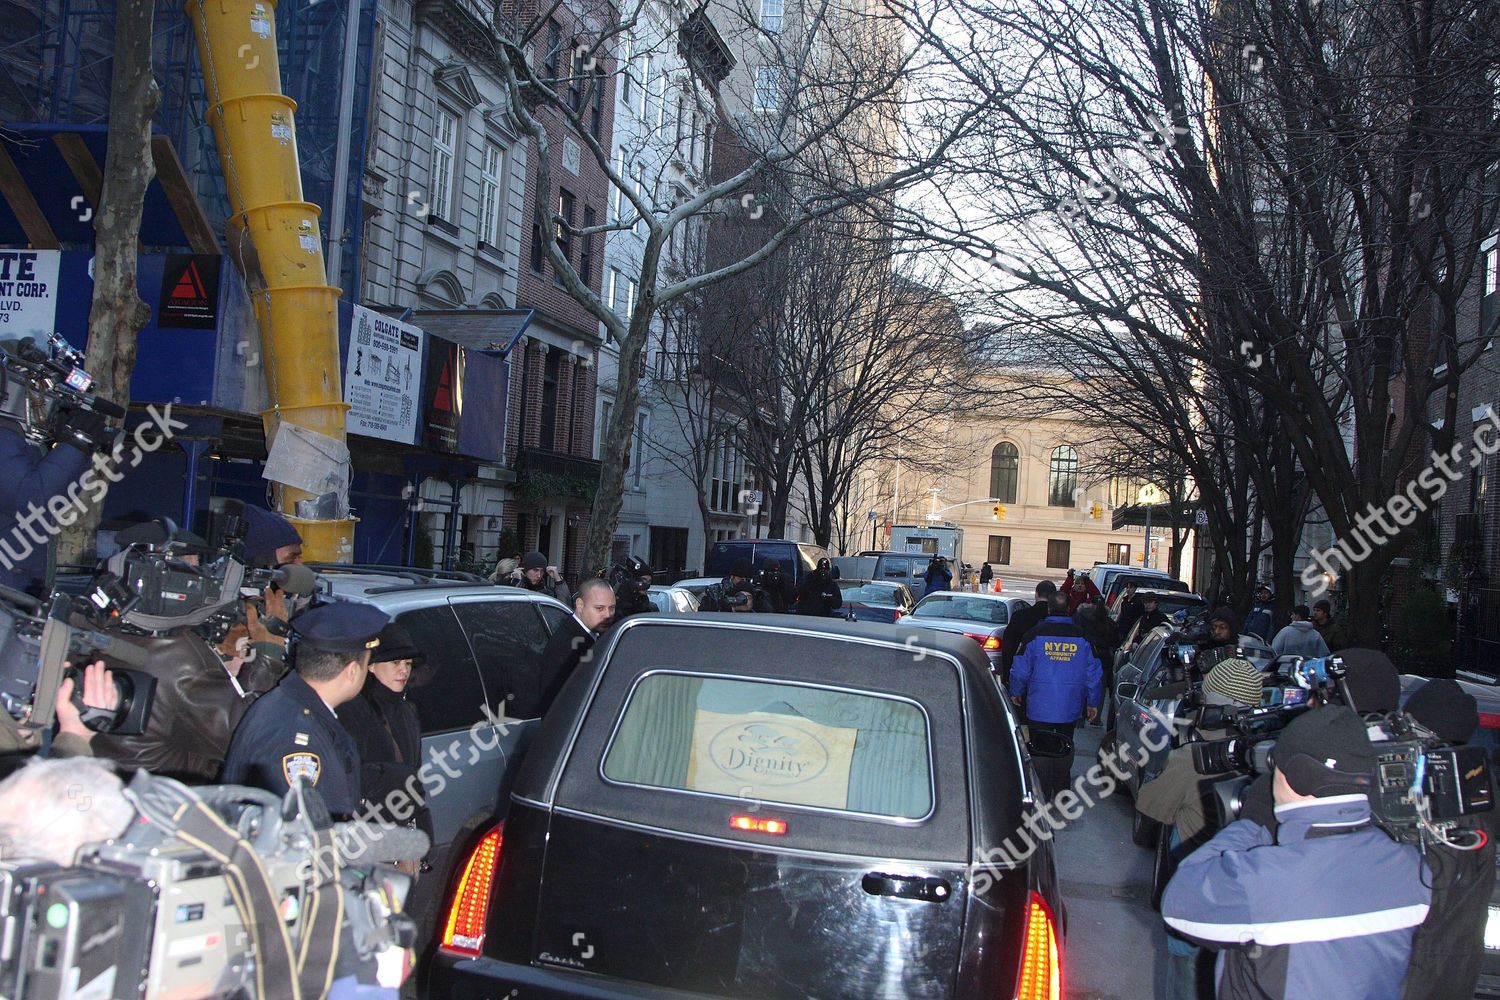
column 1126, row 691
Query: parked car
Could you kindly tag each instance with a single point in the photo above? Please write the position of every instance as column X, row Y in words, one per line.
column 876, row 600
column 855, row 567
column 1142, row 581
column 981, row 617
column 906, row 568
column 678, row 599
column 797, row 559
column 716, row 807
column 697, row 585
column 1104, row 573
column 1168, row 602
column 484, row 648
column 1143, row 708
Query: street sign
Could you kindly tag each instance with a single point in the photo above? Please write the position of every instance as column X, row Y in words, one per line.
column 1201, row 519
column 874, row 515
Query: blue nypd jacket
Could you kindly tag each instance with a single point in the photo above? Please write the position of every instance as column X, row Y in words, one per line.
column 1326, row 911
column 1056, row 672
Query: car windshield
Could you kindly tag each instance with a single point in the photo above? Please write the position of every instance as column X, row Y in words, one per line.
column 775, row 742
column 869, row 593
column 974, row 609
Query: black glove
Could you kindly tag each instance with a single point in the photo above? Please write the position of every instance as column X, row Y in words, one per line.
column 1258, row 804
column 84, row 429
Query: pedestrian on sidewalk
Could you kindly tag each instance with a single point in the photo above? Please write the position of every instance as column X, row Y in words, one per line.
column 1300, row 638
column 986, row 577
column 1021, row 624
column 1058, row 680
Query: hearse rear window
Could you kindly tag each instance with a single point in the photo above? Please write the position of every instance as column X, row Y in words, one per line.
column 774, row 742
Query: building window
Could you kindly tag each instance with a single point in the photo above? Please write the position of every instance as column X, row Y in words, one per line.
column 537, row 254
column 638, row 450
column 554, row 50
column 547, row 434
column 645, row 83
column 1062, row 477
column 999, row 550
column 768, row 88
column 1492, row 266
column 491, row 220
column 629, row 299
column 444, row 155
column 1124, row 491
column 640, row 193
column 586, row 247
column 616, row 191
column 576, row 76
column 596, row 108
column 612, row 288
column 1058, row 552
column 661, row 99
column 605, row 410
column 770, row 15
column 565, row 204
column 1119, row 553
column 626, row 67
column 1005, row 465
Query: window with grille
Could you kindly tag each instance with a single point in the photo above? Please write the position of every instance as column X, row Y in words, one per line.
column 768, row 88
column 1118, row 553
column 444, row 155
column 1062, row 477
column 770, row 15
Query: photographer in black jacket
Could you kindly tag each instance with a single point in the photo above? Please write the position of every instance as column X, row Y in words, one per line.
column 736, row 592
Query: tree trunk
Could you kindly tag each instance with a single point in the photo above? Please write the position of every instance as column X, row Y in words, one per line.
column 117, row 313
column 615, row 455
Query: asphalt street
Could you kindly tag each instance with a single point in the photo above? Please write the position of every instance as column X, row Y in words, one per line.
column 1115, row 947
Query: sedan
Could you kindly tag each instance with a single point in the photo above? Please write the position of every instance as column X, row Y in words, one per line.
column 981, row 617
column 875, row 600
column 731, row 806
column 678, row 599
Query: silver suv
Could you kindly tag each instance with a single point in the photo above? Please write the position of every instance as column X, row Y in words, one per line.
column 478, row 696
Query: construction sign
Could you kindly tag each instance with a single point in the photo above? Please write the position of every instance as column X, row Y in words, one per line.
column 28, row 293
column 189, row 292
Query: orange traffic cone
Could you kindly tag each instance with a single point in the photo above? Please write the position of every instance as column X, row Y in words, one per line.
column 998, row 585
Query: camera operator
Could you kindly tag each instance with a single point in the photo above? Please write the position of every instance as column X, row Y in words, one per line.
column 780, row 594
column 73, row 738
column 49, row 809
column 630, row 595
column 736, row 592
column 1449, row 945
column 819, row 594
column 1327, row 908
column 1175, row 799
column 31, row 475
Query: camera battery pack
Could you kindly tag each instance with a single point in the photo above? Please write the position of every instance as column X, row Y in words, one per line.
column 1458, row 782
column 89, row 936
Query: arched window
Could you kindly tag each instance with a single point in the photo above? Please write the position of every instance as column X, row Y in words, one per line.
column 1062, row 476
column 1005, row 465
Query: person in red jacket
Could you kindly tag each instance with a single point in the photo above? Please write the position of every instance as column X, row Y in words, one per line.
column 1079, row 589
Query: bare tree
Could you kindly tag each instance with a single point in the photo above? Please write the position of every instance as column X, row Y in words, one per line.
column 1290, row 197
column 117, row 313
column 843, row 82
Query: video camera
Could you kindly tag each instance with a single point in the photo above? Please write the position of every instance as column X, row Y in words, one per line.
column 1420, row 785
column 47, row 393
column 192, row 900
column 36, row 650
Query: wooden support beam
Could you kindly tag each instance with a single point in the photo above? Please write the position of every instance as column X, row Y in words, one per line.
column 174, row 181
column 18, row 196
column 81, row 163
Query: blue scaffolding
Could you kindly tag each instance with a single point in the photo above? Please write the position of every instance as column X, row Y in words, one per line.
column 56, row 58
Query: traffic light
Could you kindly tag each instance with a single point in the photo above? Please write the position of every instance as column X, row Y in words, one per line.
column 1096, row 511
column 1000, row 511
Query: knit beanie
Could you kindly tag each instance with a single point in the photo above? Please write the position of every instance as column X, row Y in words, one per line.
column 1237, row 679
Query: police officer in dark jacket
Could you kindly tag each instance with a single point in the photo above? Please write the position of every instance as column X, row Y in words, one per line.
column 293, row 733
column 1022, row 622
column 388, row 734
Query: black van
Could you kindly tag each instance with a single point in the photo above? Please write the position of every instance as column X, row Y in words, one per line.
column 797, row 559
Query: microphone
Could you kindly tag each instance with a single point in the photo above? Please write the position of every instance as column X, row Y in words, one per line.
column 295, row 579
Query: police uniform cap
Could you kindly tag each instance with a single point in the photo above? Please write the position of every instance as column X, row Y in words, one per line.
column 340, row 627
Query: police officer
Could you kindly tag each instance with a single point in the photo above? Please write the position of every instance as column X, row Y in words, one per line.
column 293, row 733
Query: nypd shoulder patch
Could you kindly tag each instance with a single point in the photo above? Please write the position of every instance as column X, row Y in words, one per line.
column 297, row 766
